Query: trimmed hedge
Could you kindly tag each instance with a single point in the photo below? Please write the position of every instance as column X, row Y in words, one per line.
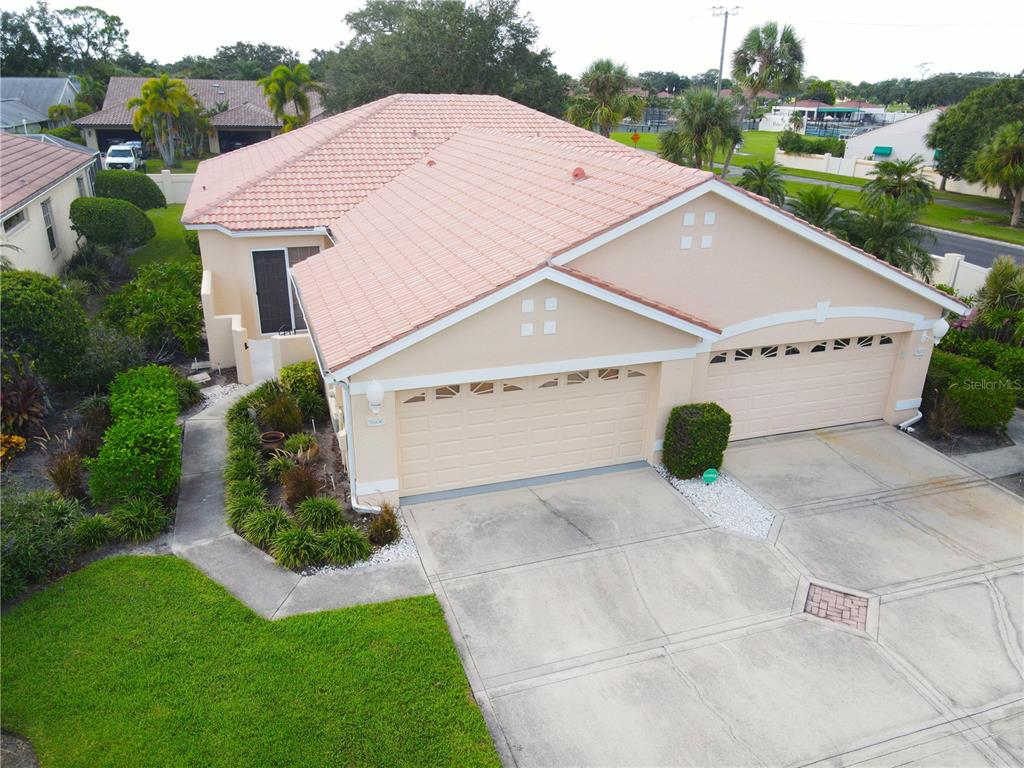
column 1005, row 359
column 302, row 377
column 696, row 437
column 137, row 188
column 43, row 321
column 192, row 241
column 798, row 144
column 66, row 132
column 141, row 452
column 109, row 221
column 980, row 397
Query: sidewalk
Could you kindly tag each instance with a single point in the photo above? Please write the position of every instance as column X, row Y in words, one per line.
column 202, row 537
column 1000, row 462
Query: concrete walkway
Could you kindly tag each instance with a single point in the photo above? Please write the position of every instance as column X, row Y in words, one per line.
column 202, row 537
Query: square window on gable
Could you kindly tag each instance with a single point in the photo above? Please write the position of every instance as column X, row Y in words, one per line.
column 551, row 303
column 705, row 241
column 526, row 329
column 709, row 217
column 689, row 219
column 527, row 306
column 685, row 243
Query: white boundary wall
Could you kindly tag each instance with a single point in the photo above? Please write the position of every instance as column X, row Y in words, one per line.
column 952, row 269
column 175, row 186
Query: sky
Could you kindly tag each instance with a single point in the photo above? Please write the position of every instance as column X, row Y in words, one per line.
column 863, row 40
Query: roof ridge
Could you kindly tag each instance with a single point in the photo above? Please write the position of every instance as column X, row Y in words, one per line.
column 274, row 168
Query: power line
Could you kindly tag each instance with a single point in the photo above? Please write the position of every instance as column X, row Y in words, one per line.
column 721, row 10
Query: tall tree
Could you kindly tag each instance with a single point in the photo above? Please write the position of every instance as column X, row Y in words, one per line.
column 1000, row 163
column 769, row 59
column 604, row 103
column 290, row 86
column 443, row 46
column 157, row 110
column 817, row 206
column 901, row 180
column 764, row 179
column 704, row 122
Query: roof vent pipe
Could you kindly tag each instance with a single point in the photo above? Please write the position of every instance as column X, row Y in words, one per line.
column 578, row 174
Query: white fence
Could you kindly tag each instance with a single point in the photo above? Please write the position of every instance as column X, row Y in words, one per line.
column 953, row 270
column 175, row 186
column 862, row 168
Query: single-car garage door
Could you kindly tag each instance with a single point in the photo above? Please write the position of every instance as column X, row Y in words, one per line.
column 790, row 387
column 485, row 432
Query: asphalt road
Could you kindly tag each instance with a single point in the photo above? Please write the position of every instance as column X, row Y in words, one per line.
column 977, row 250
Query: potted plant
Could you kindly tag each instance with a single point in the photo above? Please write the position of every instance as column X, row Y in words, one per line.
column 272, row 440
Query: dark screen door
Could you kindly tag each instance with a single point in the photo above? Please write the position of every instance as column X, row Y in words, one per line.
column 272, row 293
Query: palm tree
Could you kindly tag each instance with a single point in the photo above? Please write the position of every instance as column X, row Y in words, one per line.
column 816, row 205
column 62, row 114
column 768, row 59
column 1000, row 301
column 888, row 229
column 290, row 86
column 162, row 102
column 1000, row 163
column 605, row 103
column 704, row 122
column 765, row 179
column 901, row 180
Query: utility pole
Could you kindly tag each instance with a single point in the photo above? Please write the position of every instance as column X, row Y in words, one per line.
column 721, row 10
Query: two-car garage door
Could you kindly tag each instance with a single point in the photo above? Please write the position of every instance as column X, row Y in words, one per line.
column 791, row 387
column 489, row 431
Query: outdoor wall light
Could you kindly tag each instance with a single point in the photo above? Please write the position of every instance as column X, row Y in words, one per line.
column 375, row 396
column 939, row 329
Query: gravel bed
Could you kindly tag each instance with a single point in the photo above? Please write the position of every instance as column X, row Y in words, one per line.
column 725, row 504
column 218, row 392
column 402, row 549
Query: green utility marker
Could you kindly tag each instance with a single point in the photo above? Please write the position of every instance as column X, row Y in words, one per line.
column 709, row 476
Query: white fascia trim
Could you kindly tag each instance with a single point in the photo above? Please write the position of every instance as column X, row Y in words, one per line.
column 545, row 273
column 805, row 231
column 917, row 322
column 906, row 405
column 529, row 369
column 364, row 487
column 261, row 232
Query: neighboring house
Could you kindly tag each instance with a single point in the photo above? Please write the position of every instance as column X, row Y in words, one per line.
column 25, row 101
column 494, row 294
column 244, row 118
column 898, row 141
column 39, row 177
column 762, row 96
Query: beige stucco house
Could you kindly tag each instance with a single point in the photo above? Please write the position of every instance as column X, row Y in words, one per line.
column 39, row 178
column 493, row 294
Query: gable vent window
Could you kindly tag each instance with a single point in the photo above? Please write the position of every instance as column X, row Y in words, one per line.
column 634, row 374
column 549, row 383
column 721, row 357
column 446, row 393
column 821, row 346
column 419, row 397
column 577, row 377
column 769, row 351
column 791, row 350
column 885, row 339
column 482, row 388
column 506, row 387
column 742, row 354
column 608, row 374
column 865, row 341
column 840, row 344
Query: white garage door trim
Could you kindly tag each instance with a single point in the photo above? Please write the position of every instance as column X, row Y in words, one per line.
column 465, row 435
column 792, row 387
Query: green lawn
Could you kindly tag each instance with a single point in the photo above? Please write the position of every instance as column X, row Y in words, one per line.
column 169, row 243
column 647, row 140
column 154, row 165
column 143, row 661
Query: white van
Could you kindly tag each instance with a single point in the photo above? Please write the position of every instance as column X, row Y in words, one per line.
column 124, row 157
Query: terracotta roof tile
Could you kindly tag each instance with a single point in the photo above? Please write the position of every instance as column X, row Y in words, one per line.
column 28, row 166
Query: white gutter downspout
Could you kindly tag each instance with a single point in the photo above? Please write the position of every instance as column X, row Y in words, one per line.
column 346, row 404
column 908, row 425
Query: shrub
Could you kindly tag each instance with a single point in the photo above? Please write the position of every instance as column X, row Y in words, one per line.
column 93, row 256
column 344, row 545
column 278, row 464
column 242, row 433
column 980, row 397
column 10, row 446
column 239, row 508
column 36, row 538
column 246, row 487
column 244, row 464
column 188, row 392
column 139, row 457
column 108, row 221
column 192, row 241
column 161, row 306
column 319, row 513
column 796, row 143
column 66, row 132
column 66, row 471
column 300, row 483
column 1010, row 364
column 384, row 527
column 137, row 188
column 22, row 397
column 296, row 548
column 42, row 320
column 281, row 414
column 139, row 519
column 144, row 391
column 313, row 406
column 300, row 441
column 108, row 352
column 696, row 437
column 92, row 532
column 95, row 419
column 301, row 377
column 261, row 525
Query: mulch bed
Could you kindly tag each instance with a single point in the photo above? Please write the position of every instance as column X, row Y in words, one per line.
column 963, row 441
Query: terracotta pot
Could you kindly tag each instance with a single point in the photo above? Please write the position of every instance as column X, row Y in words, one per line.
column 272, row 440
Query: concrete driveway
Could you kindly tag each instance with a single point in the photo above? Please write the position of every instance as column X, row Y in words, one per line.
column 603, row 621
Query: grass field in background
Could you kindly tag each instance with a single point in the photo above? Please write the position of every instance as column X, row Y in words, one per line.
column 143, row 661
column 154, row 165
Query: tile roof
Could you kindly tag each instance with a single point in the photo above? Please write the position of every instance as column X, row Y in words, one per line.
column 236, row 93
column 245, row 116
column 30, row 166
column 309, row 177
column 480, row 211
